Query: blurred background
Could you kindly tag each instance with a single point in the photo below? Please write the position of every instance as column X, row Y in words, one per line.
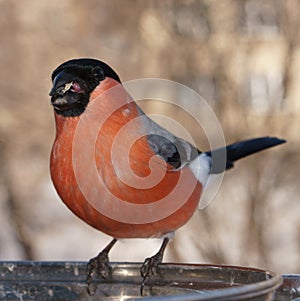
column 242, row 56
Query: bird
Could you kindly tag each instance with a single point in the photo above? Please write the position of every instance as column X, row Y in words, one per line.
column 118, row 170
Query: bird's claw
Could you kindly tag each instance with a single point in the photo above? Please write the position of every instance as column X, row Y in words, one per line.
column 149, row 269
column 97, row 266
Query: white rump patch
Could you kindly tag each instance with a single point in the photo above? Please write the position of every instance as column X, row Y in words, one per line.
column 201, row 168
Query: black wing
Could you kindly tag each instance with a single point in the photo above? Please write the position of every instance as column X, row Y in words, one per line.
column 175, row 151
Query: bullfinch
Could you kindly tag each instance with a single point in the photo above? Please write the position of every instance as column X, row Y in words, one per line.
column 121, row 172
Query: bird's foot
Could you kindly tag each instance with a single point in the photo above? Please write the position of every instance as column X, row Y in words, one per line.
column 150, row 268
column 97, row 266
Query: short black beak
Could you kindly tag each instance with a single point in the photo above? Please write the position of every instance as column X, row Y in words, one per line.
column 57, row 93
column 59, row 103
column 61, row 99
column 52, row 91
column 57, row 98
column 60, row 88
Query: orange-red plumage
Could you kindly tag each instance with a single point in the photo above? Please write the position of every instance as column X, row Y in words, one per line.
column 65, row 182
column 119, row 171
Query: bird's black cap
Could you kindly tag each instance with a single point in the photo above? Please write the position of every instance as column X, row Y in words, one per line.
column 82, row 64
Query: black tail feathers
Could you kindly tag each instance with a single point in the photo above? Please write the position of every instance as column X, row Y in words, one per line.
column 238, row 150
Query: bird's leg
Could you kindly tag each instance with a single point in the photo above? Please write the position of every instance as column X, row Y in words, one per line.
column 98, row 265
column 150, row 265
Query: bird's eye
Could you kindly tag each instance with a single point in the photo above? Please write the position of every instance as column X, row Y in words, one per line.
column 76, row 88
column 98, row 72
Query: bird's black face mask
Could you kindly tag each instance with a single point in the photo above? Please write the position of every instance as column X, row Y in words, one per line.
column 69, row 95
column 74, row 81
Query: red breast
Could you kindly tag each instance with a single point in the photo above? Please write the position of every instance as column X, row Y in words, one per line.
column 111, row 186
